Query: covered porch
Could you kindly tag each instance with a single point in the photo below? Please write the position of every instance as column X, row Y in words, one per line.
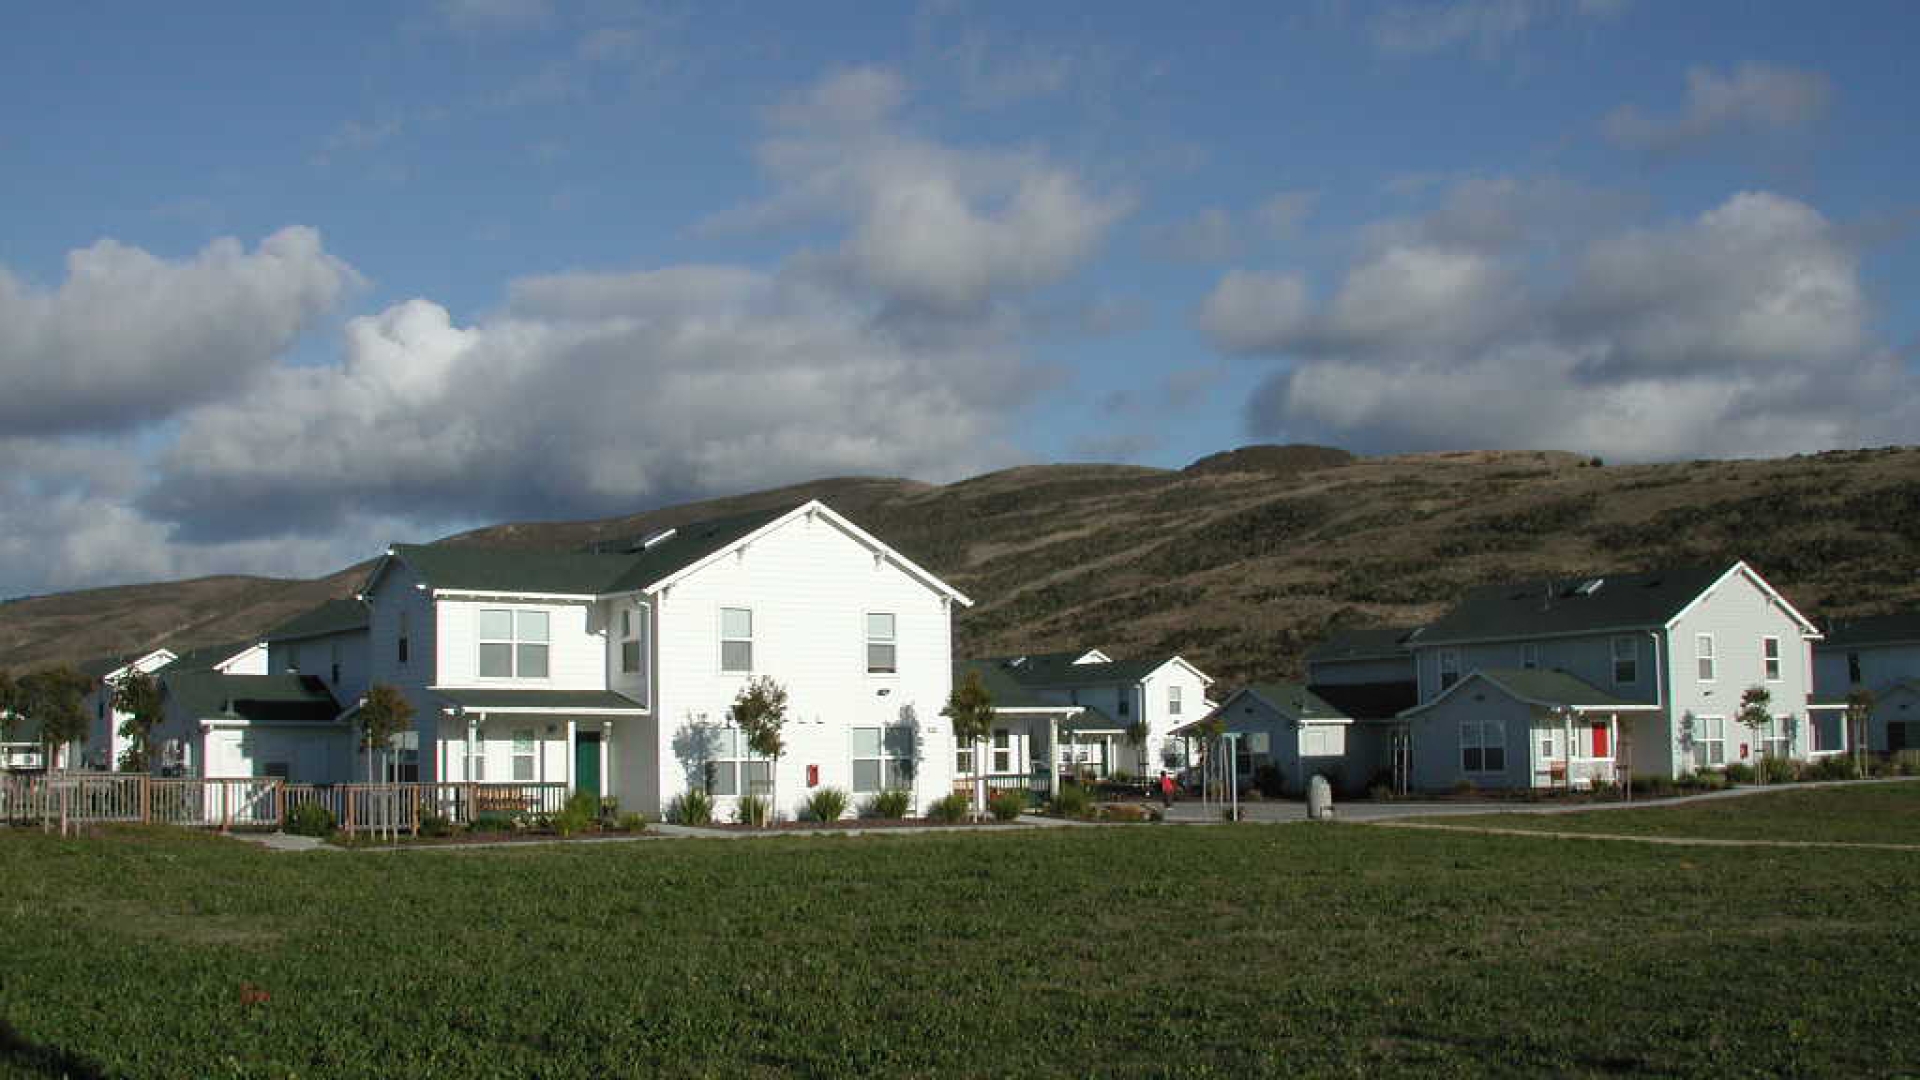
column 541, row 739
column 1035, row 749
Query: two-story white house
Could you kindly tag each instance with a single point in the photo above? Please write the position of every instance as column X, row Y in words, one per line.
column 1079, row 712
column 1552, row 683
column 1881, row 654
column 105, row 743
column 614, row 673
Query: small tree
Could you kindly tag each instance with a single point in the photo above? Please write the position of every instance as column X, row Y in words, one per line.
column 1756, row 712
column 760, row 711
column 53, row 698
column 970, row 708
column 1860, row 705
column 384, row 713
column 1137, row 733
column 138, row 695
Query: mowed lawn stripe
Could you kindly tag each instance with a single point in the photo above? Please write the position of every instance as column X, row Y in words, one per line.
column 1193, row 951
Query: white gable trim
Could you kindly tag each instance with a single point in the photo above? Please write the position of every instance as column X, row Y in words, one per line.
column 1094, row 656
column 812, row 508
column 1205, row 679
column 1807, row 629
column 139, row 665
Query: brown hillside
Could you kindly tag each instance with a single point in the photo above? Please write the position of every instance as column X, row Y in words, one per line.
column 1239, row 565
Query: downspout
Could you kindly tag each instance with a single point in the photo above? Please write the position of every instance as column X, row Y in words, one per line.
column 1659, row 672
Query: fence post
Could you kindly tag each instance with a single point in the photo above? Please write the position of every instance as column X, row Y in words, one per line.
column 347, row 794
column 146, row 800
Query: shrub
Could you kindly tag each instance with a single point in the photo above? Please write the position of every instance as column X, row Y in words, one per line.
column 1739, row 772
column 1834, row 767
column 310, row 819
column 1703, row 781
column 1779, row 770
column 1657, row 786
column 631, row 822
column 1464, row 786
column 752, row 810
column 949, row 809
column 1380, row 793
column 1007, row 805
column 577, row 817
column 492, row 823
column 1072, row 800
column 1123, row 778
column 435, row 825
column 827, row 804
column 890, row 805
column 692, row 808
column 1124, row 812
column 1905, row 763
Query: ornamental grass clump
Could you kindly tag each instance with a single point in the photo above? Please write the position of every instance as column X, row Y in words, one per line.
column 950, row 809
column 827, row 804
column 888, row 805
column 691, row 808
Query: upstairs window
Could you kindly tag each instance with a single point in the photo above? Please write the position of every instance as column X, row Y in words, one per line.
column 1853, row 668
column 883, row 653
column 513, row 644
column 1703, row 656
column 333, row 658
column 1002, row 750
column 1449, row 667
column 1770, row 658
column 630, row 632
column 736, row 641
column 1530, row 656
column 1626, row 662
column 402, row 644
column 1173, row 701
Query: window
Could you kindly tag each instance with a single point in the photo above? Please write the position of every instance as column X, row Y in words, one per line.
column 1827, row 732
column 402, row 766
column 1483, row 746
column 882, row 759
column 963, row 762
column 734, row 769
column 402, row 645
column 1703, row 656
column 736, row 641
column 1530, row 656
column 1173, row 701
column 1449, row 667
column 883, row 655
column 513, row 644
column 1853, row 668
column 1125, row 701
column 1776, row 739
column 1002, row 750
column 1553, row 743
column 1626, row 661
column 633, row 636
column 1770, row 658
column 523, row 754
column 333, row 657
column 1709, row 742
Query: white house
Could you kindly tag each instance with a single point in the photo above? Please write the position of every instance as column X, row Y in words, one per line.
column 614, row 673
column 222, row 725
column 1881, row 654
column 1573, row 672
column 105, row 743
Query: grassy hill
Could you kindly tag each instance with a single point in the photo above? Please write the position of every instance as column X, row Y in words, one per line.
column 1239, row 562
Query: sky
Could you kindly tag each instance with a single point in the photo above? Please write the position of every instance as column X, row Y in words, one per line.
column 281, row 284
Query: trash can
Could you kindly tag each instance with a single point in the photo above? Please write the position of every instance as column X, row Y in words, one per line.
column 1319, row 799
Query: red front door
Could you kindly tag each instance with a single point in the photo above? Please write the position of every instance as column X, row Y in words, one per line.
column 1599, row 740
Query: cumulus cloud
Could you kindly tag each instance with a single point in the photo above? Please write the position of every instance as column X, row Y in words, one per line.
column 1744, row 331
column 936, row 228
column 129, row 338
column 1752, row 100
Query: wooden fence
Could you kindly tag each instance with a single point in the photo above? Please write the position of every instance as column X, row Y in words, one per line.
column 69, row 799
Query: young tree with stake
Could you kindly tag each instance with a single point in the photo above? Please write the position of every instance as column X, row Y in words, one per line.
column 1756, row 712
column 1860, row 705
column 760, row 711
column 52, row 698
column 970, row 708
column 384, row 713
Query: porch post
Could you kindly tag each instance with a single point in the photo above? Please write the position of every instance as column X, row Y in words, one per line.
column 606, row 768
column 572, row 736
column 1053, row 755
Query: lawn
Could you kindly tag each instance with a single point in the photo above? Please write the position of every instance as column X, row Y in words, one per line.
column 1865, row 814
column 1138, row 951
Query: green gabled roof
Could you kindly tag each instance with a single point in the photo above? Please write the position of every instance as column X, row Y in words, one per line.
column 1005, row 691
column 332, row 617
column 482, row 698
column 205, row 658
column 1546, row 687
column 257, row 698
column 577, row 573
column 1059, row 670
column 1575, row 605
column 1363, row 643
column 1297, row 700
column 100, row 667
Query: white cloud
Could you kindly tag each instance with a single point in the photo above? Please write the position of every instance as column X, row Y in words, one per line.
column 128, row 338
column 1744, row 331
column 1208, row 236
column 1752, row 100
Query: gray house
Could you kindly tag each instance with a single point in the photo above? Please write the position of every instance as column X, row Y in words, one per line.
column 1882, row 654
column 1288, row 728
column 1581, row 679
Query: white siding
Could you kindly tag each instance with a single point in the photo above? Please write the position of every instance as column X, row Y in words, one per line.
column 810, row 587
column 1738, row 614
column 315, row 656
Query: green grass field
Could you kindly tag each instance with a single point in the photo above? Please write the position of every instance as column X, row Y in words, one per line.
column 1136, row 951
column 1867, row 814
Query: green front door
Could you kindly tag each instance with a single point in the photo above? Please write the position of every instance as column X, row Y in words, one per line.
column 586, row 763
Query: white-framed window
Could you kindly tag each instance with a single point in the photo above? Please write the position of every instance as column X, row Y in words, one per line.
column 1173, row 699
column 1709, row 742
column 403, row 645
column 1626, row 661
column 882, row 759
column 1002, row 750
column 963, row 761
column 631, row 630
column 1553, row 743
column 402, row 766
column 1483, row 746
column 1449, row 667
column 734, row 769
column 736, row 641
column 1530, row 655
column 1770, row 658
column 524, row 746
column 1703, row 657
column 883, row 650
column 513, row 643
column 1775, row 740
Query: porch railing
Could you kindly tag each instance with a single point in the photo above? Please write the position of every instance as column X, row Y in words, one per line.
column 1034, row 784
column 67, row 799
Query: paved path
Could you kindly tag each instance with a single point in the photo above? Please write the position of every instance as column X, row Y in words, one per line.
column 1677, row 841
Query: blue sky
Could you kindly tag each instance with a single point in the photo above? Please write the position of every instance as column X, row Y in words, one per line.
column 280, row 284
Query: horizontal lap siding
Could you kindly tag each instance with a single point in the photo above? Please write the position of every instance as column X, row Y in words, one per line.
column 810, row 587
column 1738, row 614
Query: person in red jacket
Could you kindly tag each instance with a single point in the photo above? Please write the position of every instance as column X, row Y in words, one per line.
column 1166, row 788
